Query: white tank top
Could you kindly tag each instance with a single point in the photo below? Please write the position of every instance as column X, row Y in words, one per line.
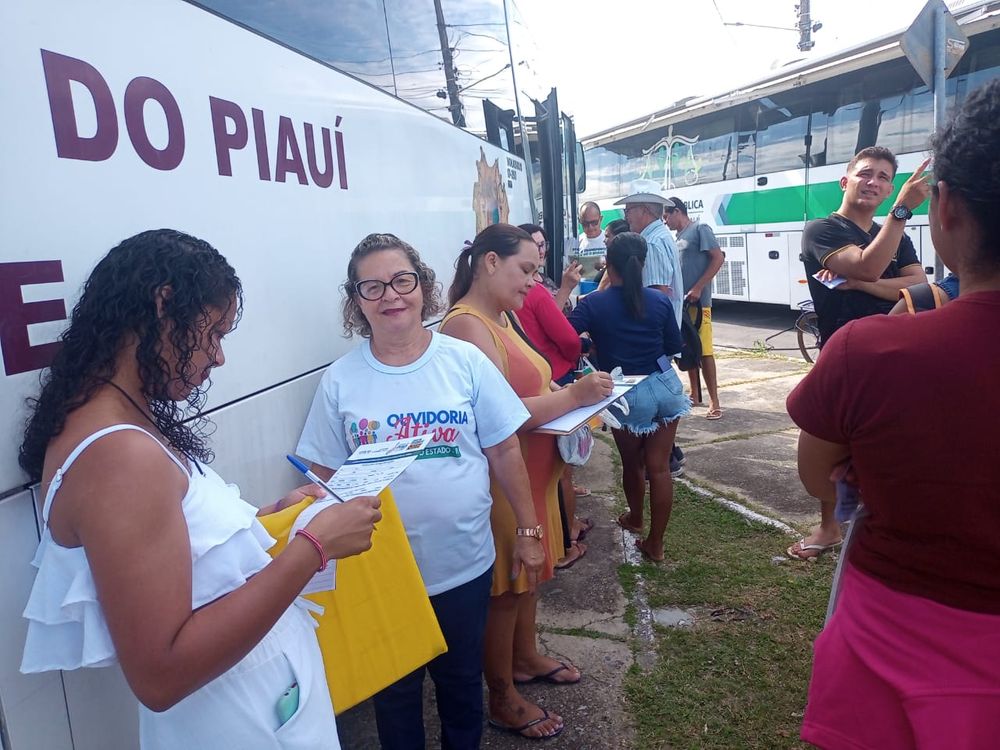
column 66, row 625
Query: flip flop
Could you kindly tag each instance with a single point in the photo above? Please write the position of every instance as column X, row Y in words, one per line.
column 581, row 491
column 586, row 525
column 646, row 555
column 819, row 549
column 521, row 729
column 549, row 677
column 581, row 550
column 714, row 414
column 621, row 522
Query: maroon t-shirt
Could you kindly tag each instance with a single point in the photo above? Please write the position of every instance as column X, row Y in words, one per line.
column 917, row 399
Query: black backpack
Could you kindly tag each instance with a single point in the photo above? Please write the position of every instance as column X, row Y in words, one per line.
column 690, row 356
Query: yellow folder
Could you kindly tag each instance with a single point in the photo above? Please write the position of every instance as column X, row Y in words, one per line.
column 378, row 625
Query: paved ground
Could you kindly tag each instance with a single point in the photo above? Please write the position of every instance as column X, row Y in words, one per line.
column 747, row 455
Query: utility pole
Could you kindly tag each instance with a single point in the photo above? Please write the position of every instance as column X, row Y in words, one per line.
column 454, row 103
column 805, row 26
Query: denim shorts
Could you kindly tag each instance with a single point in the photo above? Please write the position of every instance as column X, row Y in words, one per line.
column 950, row 285
column 657, row 400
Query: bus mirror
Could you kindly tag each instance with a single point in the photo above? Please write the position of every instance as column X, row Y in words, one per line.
column 581, row 169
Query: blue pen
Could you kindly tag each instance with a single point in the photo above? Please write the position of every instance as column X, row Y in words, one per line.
column 313, row 478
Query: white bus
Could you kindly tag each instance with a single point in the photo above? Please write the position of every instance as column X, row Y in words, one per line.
column 758, row 162
column 282, row 133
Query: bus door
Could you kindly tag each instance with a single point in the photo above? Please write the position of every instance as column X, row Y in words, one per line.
column 557, row 156
column 556, row 166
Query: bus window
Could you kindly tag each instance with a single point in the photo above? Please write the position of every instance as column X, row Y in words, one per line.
column 704, row 150
column 398, row 48
column 907, row 121
column 782, row 125
column 603, row 172
column 317, row 28
column 981, row 64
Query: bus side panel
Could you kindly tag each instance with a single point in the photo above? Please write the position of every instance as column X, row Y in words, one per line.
column 731, row 280
column 103, row 711
column 767, row 267
column 254, row 435
column 798, row 285
column 215, row 142
column 32, row 706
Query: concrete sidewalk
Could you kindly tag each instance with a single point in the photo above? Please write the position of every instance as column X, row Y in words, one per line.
column 748, row 455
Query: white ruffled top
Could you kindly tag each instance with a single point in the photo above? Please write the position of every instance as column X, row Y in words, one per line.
column 66, row 625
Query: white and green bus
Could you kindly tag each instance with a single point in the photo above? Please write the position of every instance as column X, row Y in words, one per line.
column 282, row 132
column 757, row 162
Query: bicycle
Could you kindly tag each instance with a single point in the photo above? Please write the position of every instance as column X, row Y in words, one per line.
column 806, row 328
column 807, row 331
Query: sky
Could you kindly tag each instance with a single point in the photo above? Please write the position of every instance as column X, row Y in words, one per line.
column 621, row 60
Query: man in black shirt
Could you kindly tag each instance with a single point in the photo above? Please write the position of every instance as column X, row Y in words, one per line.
column 873, row 261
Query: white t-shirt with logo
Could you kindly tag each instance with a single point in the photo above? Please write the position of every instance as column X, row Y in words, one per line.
column 592, row 245
column 459, row 397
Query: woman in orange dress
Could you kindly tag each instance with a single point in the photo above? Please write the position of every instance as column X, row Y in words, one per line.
column 493, row 276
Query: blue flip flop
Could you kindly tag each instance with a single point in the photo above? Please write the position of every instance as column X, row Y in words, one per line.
column 520, row 730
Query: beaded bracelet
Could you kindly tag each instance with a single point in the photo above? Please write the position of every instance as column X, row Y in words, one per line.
column 323, row 560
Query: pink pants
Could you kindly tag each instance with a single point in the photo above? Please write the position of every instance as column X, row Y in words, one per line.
column 893, row 670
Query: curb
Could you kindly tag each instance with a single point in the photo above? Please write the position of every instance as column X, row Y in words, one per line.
column 750, row 515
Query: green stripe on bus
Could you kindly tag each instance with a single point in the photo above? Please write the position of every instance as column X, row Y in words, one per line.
column 787, row 204
column 782, row 205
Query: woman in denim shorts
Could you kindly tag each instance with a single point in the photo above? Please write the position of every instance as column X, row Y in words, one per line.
column 632, row 327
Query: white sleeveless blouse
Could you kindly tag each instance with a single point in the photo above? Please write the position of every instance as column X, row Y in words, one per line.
column 66, row 625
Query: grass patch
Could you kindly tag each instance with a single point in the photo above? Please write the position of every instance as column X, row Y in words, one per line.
column 583, row 633
column 738, row 679
column 628, row 576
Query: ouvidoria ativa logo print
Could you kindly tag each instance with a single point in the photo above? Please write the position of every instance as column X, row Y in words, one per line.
column 364, row 432
column 444, row 427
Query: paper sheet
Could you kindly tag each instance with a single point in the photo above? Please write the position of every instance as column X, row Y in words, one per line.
column 830, row 283
column 570, row 421
column 368, row 471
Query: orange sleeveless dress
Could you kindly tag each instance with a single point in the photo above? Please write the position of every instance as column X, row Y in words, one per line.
column 529, row 375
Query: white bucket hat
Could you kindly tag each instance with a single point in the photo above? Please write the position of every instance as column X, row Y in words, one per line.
column 644, row 191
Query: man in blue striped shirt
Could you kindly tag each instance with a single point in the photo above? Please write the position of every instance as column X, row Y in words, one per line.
column 643, row 211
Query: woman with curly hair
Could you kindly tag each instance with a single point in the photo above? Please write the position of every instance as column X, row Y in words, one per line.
column 909, row 657
column 404, row 380
column 148, row 558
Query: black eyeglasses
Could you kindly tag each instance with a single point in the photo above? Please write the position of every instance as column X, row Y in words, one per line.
column 374, row 290
column 594, row 223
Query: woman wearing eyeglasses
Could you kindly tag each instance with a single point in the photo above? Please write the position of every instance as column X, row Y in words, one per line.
column 404, row 380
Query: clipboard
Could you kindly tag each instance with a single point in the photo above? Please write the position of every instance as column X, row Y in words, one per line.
column 574, row 420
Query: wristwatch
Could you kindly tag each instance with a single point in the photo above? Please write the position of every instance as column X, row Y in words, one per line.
column 901, row 212
column 534, row 531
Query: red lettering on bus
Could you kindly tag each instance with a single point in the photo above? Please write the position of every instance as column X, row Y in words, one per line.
column 16, row 314
column 137, row 93
column 223, row 111
column 59, row 71
column 288, row 157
